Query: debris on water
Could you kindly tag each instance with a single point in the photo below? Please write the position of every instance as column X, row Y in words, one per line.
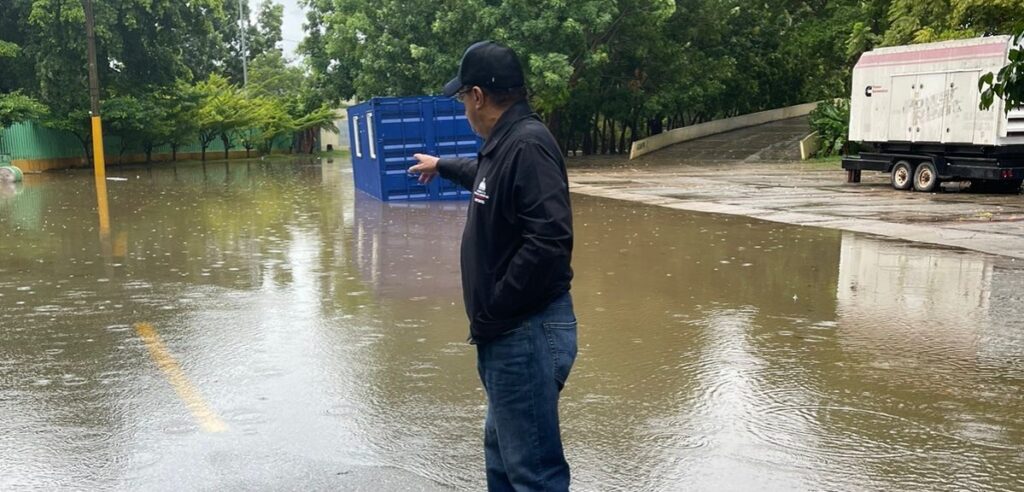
column 112, row 178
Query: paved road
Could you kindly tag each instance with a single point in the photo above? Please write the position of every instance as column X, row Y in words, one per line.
column 755, row 172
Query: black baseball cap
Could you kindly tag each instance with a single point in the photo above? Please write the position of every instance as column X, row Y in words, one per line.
column 487, row 64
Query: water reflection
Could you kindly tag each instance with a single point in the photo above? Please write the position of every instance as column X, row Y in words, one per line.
column 326, row 329
column 408, row 250
column 9, row 189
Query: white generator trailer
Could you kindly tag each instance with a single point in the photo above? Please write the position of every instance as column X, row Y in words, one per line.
column 915, row 112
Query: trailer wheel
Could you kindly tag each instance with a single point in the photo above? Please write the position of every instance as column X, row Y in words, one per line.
column 926, row 178
column 902, row 175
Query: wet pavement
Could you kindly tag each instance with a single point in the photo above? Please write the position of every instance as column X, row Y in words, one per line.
column 755, row 172
column 263, row 326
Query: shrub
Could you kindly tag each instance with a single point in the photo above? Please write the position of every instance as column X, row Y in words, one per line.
column 831, row 119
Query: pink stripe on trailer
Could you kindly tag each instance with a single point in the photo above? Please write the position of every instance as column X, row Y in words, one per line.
column 933, row 55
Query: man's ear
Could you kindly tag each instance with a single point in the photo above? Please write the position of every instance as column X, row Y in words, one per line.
column 478, row 97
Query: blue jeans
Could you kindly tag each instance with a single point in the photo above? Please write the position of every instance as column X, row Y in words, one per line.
column 523, row 372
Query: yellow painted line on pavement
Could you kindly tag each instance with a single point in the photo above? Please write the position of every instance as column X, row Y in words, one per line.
column 208, row 420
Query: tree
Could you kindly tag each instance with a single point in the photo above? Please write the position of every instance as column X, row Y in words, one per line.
column 126, row 118
column 923, row 21
column 267, row 39
column 277, row 122
column 1008, row 84
column 223, row 110
column 180, row 108
column 271, row 76
column 322, row 118
column 601, row 72
column 140, row 44
column 16, row 107
column 260, row 38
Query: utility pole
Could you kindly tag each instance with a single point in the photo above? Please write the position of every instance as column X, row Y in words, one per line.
column 94, row 90
column 244, row 23
column 99, row 166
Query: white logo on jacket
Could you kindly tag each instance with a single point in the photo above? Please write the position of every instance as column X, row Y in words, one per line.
column 480, row 195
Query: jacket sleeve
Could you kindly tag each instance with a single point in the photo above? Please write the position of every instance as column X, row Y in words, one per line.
column 541, row 201
column 461, row 170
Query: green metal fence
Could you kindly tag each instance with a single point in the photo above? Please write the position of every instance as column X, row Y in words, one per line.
column 34, row 141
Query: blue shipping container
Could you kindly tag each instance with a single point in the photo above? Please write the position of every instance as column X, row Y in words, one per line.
column 386, row 131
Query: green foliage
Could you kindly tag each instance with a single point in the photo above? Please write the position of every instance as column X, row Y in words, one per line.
column 1008, row 84
column 179, row 107
column 831, row 119
column 8, row 50
column 602, row 72
column 268, row 29
column 75, row 122
column 223, row 109
column 15, row 107
column 925, row 21
column 151, row 53
column 322, row 118
column 126, row 117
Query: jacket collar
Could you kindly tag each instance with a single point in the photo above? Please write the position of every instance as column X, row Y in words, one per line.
column 518, row 111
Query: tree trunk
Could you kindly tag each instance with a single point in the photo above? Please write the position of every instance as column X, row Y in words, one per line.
column 204, row 146
column 622, row 140
column 85, row 148
column 609, row 130
column 227, row 142
column 588, row 142
column 655, row 126
column 555, row 122
column 604, row 136
column 174, row 152
column 611, row 137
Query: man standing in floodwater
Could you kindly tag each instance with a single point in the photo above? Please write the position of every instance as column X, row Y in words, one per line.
column 516, row 251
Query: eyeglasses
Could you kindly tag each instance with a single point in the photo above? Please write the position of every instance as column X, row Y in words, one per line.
column 461, row 95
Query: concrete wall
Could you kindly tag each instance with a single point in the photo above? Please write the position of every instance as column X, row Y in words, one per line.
column 337, row 141
column 809, row 146
column 662, row 140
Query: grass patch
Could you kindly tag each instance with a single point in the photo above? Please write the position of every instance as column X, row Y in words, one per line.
column 824, row 162
column 335, row 154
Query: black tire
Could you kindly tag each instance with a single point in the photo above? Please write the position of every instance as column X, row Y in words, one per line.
column 902, row 177
column 926, row 177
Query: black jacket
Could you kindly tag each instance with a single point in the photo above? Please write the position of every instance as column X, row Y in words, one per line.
column 517, row 244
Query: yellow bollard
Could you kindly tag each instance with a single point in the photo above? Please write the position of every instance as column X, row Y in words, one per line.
column 100, row 171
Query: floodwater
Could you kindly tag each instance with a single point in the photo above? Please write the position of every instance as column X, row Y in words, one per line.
column 262, row 326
